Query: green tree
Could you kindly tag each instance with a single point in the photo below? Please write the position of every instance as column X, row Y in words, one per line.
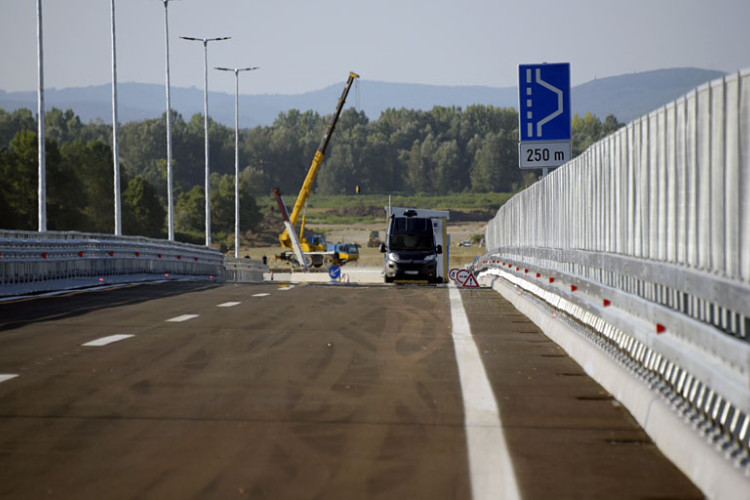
column 12, row 123
column 20, row 182
column 496, row 165
column 92, row 163
column 589, row 129
column 19, row 185
column 143, row 212
column 223, row 206
column 449, row 169
column 190, row 211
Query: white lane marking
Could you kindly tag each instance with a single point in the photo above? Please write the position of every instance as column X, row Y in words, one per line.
column 7, row 376
column 182, row 318
column 228, row 304
column 261, row 295
column 284, row 288
column 107, row 340
column 490, row 466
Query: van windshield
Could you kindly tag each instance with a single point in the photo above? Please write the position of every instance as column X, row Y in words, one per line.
column 411, row 235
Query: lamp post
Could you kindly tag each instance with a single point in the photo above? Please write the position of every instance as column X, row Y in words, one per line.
column 115, row 148
column 207, row 188
column 42, row 194
column 170, row 201
column 237, row 155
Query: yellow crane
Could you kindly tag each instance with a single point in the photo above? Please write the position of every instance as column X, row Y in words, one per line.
column 316, row 245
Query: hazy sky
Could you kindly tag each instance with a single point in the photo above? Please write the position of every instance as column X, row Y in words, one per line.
column 304, row 45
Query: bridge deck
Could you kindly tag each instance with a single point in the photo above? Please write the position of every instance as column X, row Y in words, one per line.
column 271, row 391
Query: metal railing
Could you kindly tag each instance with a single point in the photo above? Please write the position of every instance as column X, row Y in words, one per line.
column 645, row 238
column 34, row 257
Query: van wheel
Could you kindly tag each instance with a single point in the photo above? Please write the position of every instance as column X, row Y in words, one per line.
column 388, row 280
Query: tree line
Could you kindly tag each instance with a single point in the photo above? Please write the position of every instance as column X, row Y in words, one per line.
column 441, row 151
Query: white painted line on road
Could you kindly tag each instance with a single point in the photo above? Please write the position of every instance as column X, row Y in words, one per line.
column 490, row 466
column 261, row 295
column 7, row 376
column 229, row 304
column 107, row 340
column 284, row 288
column 182, row 318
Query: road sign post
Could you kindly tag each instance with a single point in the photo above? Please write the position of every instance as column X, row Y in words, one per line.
column 544, row 115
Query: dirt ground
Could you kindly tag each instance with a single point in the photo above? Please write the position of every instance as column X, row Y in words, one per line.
column 360, row 233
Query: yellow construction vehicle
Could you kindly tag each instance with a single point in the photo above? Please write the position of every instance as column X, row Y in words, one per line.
column 315, row 246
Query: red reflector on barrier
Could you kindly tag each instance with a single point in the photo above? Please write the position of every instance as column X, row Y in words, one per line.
column 196, row 259
column 660, row 328
column 573, row 288
column 552, row 280
column 137, row 254
column 44, row 255
column 526, row 271
column 607, row 303
column 80, row 254
column 111, row 254
column 538, row 275
column 159, row 255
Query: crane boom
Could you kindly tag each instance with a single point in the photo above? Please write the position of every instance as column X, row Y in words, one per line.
column 312, row 173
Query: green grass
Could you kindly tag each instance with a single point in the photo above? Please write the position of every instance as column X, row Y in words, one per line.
column 318, row 205
column 462, row 201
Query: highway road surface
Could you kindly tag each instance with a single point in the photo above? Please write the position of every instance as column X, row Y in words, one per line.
column 274, row 391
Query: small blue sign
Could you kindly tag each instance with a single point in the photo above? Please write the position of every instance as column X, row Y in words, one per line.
column 544, row 102
column 334, row 272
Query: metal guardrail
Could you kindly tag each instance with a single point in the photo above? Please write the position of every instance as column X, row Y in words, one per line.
column 645, row 238
column 244, row 270
column 28, row 257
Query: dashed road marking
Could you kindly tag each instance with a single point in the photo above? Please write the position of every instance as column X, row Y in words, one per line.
column 107, row 340
column 490, row 466
column 261, row 295
column 184, row 317
column 7, row 376
column 229, row 304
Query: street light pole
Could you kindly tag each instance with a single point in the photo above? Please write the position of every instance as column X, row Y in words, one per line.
column 115, row 147
column 170, row 201
column 236, row 155
column 207, row 187
column 42, row 180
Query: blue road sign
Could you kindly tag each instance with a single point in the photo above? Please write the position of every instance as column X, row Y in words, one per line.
column 544, row 102
column 334, row 272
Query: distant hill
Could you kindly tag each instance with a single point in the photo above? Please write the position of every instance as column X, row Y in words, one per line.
column 630, row 96
column 626, row 96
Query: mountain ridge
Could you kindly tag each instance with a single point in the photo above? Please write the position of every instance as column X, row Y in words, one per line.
column 626, row 96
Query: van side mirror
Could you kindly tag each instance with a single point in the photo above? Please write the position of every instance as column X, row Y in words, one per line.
column 382, row 248
column 439, row 249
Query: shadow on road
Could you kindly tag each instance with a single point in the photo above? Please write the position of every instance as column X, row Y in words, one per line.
column 15, row 314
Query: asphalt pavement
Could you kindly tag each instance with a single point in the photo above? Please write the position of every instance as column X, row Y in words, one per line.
column 280, row 390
